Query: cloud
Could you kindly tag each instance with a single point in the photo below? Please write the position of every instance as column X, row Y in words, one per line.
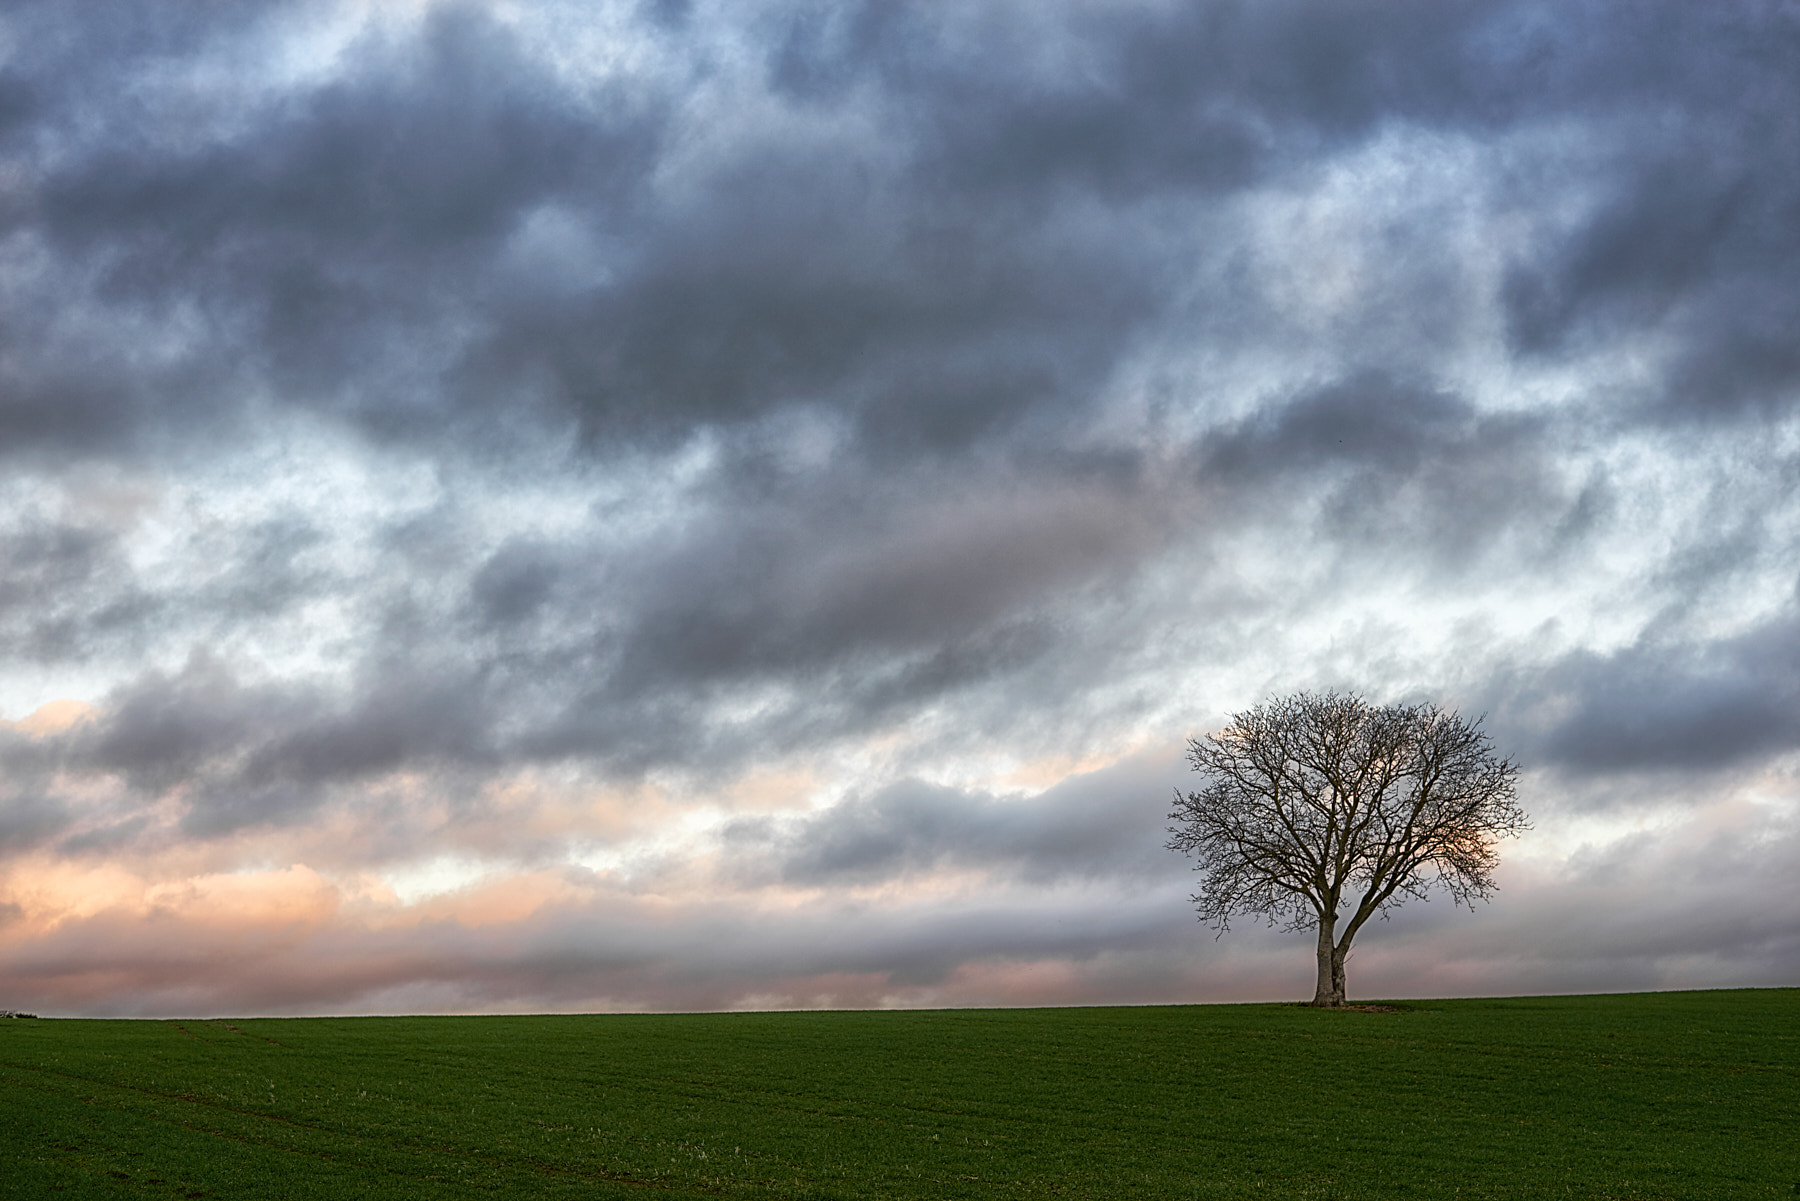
column 741, row 447
column 28, row 820
column 1653, row 706
column 1103, row 824
column 291, row 941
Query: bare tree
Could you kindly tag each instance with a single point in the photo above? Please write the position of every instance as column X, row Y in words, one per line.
column 1316, row 802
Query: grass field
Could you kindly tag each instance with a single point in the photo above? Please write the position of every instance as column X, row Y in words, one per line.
column 1670, row 1095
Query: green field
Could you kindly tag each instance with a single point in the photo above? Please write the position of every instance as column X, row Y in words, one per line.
column 1668, row 1095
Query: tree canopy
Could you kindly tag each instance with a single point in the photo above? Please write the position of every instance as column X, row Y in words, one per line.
column 1319, row 805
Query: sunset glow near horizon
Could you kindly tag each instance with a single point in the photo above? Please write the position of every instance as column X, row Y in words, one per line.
column 665, row 505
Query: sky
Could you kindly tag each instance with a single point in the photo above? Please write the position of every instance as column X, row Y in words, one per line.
column 670, row 505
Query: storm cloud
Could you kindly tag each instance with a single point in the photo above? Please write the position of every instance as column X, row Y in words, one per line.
column 657, row 505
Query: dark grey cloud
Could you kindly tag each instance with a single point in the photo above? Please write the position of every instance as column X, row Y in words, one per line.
column 1395, row 462
column 1657, row 705
column 355, row 245
column 67, row 592
column 305, row 238
column 1688, row 242
column 1106, row 824
column 237, row 753
column 515, row 583
column 26, row 821
column 894, row 568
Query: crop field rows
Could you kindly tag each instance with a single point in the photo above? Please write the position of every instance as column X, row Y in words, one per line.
column 1649, row 1096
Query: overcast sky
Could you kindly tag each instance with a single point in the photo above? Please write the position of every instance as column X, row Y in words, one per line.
column 668, row 505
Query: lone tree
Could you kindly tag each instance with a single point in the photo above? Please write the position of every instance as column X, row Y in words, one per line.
column 1320, row 802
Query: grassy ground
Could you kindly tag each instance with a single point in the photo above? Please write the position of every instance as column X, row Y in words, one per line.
column 1672, row 1095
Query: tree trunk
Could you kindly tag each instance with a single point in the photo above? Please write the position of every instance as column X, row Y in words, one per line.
column 1330, row 992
